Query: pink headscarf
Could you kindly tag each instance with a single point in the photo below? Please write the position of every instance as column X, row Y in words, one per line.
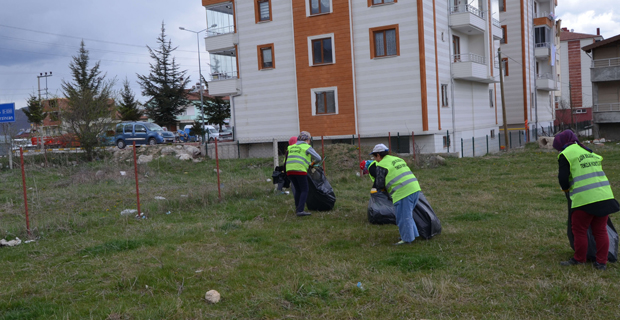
column 565, row 139
column 292, row 141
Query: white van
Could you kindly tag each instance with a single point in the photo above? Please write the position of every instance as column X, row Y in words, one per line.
column 210, row 131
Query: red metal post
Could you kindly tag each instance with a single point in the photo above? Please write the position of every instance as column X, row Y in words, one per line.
column 390, row 141
column 323, row 155
column 413, row 144
column 21, row 154
column 217, row 165
column 359, row 149
column 135, row 166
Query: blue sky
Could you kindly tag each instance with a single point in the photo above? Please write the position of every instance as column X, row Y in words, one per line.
column 39, row 36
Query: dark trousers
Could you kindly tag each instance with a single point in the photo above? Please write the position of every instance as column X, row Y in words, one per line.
column 580, row 221
column 301, row 191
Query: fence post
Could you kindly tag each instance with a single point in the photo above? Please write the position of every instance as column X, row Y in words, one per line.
column 487, row 144
column 217, row 165
column 390, row 141
column 462, row 154
column 473, row 147
column 359, row 149
column 323, row 154
column 413, row 144
column 135, row 167
column 448, row 139
column 238, row 150
column 21, row 153
column 519, row 137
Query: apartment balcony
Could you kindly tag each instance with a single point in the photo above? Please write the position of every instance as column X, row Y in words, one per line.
column 471, row 67
column 542, row 50
column 605, row 70
column 224, row 84
column 221, row 38
column 496, row 29
column 546, row 82
column 606, row 113
column 220, row 26
column 467, row 19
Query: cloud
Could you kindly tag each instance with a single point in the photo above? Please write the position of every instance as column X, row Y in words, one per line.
column 588, row 21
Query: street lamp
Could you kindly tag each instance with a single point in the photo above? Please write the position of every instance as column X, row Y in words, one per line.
column 202, row 106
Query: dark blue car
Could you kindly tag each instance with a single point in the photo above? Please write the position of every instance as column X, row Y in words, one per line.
column 142, row 133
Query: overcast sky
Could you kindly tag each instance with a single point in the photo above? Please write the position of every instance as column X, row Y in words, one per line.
column 39, row 36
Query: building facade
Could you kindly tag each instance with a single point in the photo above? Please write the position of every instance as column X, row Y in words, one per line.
column 605, row 77
column 529, row 58
column 339, row 68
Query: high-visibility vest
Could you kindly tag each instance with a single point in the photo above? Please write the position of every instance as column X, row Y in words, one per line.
column 588, row 183
column 371, row 177
column 298, row 159
column 400, row 181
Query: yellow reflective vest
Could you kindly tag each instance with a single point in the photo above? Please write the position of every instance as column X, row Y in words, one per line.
column 298, row 159
column 588, row 183
column 400, row 181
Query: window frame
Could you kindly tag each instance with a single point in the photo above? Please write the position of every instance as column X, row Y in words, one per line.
column 313, row 93
column 257, row 11
column 372, row 31
column 259, row 51
column 506, row 73
column 309, row 10
column 503, row 7
column 445, row 102
column 371, row 4
column 456, row 48
column 504, row 39
column 311, row 51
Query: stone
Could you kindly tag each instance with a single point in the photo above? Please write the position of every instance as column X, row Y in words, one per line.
column 193, row 151
column 185, row 156
column 212, row 296
column 144, row 159
column 440, row 160
column 545, row 142
column 168, row 151
column 99, row 174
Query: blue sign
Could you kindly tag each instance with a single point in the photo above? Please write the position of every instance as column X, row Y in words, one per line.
column 7, row 112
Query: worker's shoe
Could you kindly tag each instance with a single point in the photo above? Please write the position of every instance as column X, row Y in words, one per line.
column 599, row 266
column 303, row 214
column 571, row 262
column 401, row 242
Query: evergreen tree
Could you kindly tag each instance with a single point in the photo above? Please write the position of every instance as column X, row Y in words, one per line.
column 90, row 105
column 34, row 111
column 216, row 110
column 165, row 84
column 128, row 107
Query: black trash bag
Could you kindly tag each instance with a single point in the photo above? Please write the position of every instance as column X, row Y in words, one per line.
column 280, row 178
column 321, row 196
column 612, row 254
column 381, row 211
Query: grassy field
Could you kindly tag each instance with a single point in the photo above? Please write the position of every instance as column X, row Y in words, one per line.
column 504, row 233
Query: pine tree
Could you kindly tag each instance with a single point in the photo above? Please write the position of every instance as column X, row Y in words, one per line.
column 165, row 84
column 216, row 110
column 90, row 105
column 128, row 107
column 34, row 111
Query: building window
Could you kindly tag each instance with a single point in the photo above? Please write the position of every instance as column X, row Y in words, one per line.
column 377, row 2
column 504, row 34
column 505, row 66
column 444, row 95
column 491, row 97
column 577, row 111
column 502, row 5
column 320, row 6
column 324, row 101
column 384, row 41
column 322, row 51
column 492, row 133
column 263, row 10
column 266, row 59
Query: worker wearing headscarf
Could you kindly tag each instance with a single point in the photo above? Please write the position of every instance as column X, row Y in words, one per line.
column 299, row 158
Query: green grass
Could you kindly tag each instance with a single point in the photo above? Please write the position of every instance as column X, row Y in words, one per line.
column 504, row 232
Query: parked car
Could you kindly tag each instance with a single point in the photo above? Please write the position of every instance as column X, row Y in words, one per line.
column 142, row 133
column 226, row 134
column 106, row 138
column 211, row 132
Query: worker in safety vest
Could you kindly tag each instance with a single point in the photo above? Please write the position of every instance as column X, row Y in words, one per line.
column 393, row 175
column 299, row 158
column 590, row 197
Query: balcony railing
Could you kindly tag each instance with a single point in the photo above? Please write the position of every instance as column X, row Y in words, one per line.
column 218, row 76
column 606, row 107
column 468, row 57
column 543, row 45
column 467, row 8
column 604, row 63
column 496, row 22
column 211, row 32
column 548, row 76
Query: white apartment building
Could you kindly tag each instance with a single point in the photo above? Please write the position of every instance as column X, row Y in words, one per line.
column 339, row 68
column 529, row 48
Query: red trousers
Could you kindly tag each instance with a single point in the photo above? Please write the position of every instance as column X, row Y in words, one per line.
column 581, row 220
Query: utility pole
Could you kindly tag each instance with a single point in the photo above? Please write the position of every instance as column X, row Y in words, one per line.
column 501, row 85
column 39, row 83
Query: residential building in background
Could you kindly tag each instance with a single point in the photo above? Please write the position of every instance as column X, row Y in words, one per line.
column 377, row 68
column 529, row 48
column 574, row 105
column 605, row 77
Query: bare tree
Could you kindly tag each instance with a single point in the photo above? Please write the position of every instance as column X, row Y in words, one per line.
column 90, row 107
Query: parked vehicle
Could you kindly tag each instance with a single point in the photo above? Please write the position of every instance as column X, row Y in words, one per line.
column 184, row 135
column 211, row 132
column 106, row 138
column 226, row 134
column 142, row 133
column 63, row 141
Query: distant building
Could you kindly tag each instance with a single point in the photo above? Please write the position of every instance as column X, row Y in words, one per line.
column 605, row 77
column 575, row 102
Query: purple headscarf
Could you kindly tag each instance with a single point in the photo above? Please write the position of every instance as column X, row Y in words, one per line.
column 565, row 139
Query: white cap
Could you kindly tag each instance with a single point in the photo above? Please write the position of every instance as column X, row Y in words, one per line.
column 379, row 148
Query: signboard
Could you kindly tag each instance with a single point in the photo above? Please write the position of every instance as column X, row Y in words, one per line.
column 7, row 112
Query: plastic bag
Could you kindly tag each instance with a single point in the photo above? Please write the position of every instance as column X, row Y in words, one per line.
column 280, row 178
column 321, row 195
column 381, row 211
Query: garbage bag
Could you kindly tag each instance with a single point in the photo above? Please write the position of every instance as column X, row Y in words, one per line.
column 612, row 254
column 280, row 178
column 321, row 196
column 381, row 211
